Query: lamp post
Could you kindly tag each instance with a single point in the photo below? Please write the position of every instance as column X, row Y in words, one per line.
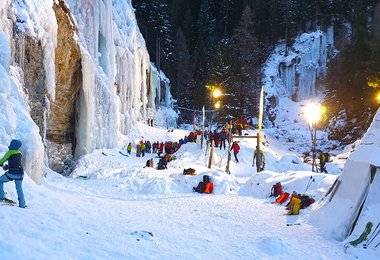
column 312, row 113
column 215, row 93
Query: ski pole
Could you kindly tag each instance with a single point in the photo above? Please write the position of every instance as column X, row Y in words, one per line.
column 377, row 245
column 370, row 241
column 307, row 185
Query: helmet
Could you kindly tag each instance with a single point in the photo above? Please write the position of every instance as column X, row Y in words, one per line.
column 15, row 144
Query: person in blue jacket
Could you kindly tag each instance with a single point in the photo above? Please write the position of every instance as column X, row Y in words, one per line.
column 14, row 172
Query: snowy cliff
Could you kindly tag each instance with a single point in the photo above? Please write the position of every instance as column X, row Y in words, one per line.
column 84, row 71
column 294, row 72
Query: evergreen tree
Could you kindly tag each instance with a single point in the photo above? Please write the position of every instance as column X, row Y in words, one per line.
column 248, row 56
column 185, row 76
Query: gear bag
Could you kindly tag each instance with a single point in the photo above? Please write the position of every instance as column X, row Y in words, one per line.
column 209, row 186
column 276, row 190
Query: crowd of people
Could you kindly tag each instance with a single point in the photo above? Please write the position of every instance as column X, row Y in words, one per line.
column 221, row 138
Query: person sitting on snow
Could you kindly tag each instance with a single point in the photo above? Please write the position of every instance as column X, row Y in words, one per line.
column 162, row 163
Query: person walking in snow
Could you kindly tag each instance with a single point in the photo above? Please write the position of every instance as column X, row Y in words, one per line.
column 236, row 149
column 15, row 171
column 322, row 161
column 260, row 158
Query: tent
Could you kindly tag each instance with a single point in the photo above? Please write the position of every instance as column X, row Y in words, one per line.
column 354, row 198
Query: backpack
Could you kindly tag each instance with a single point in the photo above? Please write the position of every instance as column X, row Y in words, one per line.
column 200, row 188
column 276, row 190
column 306, row 201
column 294, row 206
column 284, row 197
column 208, row 187
column 327, row 157
column 189, row 171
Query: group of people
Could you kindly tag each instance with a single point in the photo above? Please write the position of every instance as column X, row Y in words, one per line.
column 143, row 148
column 164, row 150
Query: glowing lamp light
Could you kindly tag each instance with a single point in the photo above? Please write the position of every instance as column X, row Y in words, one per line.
column 312, row 113
column 378, row 97
column 216, row 93
column 137, row 141
column 217, row 105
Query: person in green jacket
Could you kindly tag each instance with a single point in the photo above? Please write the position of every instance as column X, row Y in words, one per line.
column 14, row 171
column 260, row 158
column 129, row 148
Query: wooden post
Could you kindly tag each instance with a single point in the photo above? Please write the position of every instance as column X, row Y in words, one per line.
column 211, row 153
column 258, row 153
column 229, row 154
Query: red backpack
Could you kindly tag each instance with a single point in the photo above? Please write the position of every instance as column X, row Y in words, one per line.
column 276, row 190
column 209, row 186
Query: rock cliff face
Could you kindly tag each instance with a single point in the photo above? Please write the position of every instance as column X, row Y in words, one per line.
column 68, row 70
column 55, row 116
column 30, row 58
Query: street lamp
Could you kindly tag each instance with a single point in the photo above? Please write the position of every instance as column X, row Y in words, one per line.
column 312, row 113
column 215, row 93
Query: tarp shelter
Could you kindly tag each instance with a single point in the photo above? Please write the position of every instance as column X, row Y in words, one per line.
column 354, row 199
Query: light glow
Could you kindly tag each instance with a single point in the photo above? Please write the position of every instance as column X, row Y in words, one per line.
column 216, row 93
column 312, row 113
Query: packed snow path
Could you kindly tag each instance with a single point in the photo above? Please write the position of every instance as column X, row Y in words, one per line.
column 66, row 223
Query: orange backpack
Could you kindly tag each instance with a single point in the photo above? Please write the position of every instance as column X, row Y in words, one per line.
column 283, row 197
column 209, row 186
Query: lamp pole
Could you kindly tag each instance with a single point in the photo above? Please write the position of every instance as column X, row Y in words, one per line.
column 313, row 114
column 314, row 141
column 214, row 93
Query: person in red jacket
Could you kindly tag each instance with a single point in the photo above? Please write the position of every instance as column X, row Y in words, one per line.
column 236, row 149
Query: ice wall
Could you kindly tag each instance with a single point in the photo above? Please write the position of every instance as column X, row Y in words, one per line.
column 299, row 66
column 15, row 121
column 119, row 83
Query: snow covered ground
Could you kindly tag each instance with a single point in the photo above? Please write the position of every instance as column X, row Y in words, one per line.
column 124, row 211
